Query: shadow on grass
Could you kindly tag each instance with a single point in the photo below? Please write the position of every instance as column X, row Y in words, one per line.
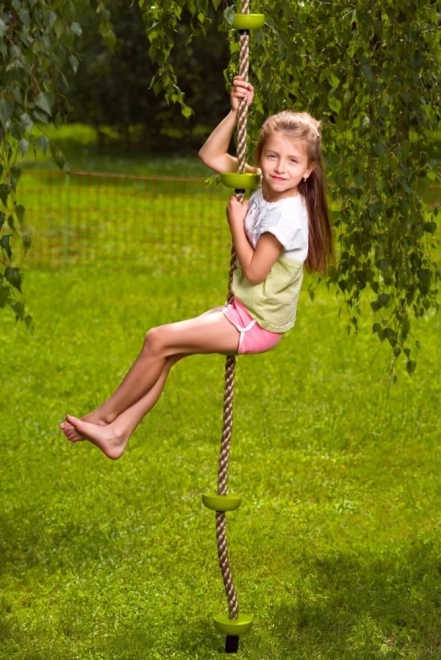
column 161, row 641
column 382, row 602
column 34, row 540
column 378, row 603
column 373, row 602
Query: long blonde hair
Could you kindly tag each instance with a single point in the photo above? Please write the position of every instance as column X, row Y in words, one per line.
column 301, row 126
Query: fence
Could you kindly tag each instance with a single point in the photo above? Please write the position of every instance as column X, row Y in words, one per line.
column 163, row 223
column 115, row 220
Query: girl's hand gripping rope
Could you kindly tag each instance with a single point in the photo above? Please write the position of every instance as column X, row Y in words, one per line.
column 236, row 212
column 241, row 90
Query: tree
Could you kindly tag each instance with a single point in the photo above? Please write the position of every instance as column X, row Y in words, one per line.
column 370, row 72
column 37, row 39
column 112, row 88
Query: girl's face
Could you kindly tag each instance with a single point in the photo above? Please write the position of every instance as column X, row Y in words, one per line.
column 284, row 163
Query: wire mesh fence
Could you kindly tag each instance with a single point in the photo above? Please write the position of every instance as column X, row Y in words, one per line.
column 162, row 223
column 158, row 222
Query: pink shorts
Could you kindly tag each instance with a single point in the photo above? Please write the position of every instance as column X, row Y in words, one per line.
column 252, row 338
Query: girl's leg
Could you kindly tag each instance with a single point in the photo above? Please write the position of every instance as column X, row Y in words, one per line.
column 112, row 438
column 94, row 418
column 209, row 333
column 109, row 426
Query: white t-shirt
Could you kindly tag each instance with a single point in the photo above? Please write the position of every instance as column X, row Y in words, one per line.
column 273, row 302
column 287, row 219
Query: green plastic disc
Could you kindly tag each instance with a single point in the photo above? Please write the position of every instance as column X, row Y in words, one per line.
column 236, row 627
column 221, row 502
column 248, row 21
column 240, row 181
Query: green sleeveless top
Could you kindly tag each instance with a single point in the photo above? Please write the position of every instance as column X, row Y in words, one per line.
column 273, row 302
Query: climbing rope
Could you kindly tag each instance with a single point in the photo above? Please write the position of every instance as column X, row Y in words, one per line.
column 244, row 58
column 230, row 362
column 234, row 624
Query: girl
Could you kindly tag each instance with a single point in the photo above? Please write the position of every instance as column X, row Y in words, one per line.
column 283, row 226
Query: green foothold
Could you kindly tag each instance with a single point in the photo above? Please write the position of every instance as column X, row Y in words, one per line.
column 235, row 627
column 240, row 181
column 221, row 502
column 248, row 21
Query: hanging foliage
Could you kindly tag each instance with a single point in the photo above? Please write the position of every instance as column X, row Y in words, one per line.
column 36, row 43
column 370, row 72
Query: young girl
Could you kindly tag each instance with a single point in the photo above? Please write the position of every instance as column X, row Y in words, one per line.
column 284, row 225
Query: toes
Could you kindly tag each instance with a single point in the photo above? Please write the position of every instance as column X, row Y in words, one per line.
column 65, row 427
column 72, row 420
column 70, row 432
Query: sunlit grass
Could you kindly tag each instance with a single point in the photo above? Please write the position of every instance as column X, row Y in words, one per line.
column 335, row 549
column 80, row 147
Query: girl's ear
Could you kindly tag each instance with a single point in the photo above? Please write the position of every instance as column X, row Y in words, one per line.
column 311, row 168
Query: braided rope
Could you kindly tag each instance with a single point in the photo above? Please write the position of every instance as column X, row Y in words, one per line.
column 230, row 363
column 221, row 539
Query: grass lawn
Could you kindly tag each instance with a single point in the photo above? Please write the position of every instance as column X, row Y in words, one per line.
column 79, row 146
column 122, row 219
column 82, row 218
column 335, row 550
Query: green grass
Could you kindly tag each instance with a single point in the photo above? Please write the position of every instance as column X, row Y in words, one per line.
column 77, row 219
column 179, row 223
column 335, row 550
column 79, row 145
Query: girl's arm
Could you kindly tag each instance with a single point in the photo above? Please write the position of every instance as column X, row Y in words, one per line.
column 214, row 153
column 255, row 263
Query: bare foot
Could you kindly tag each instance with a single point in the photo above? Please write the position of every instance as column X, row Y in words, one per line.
column 107, row 438
column 72, row 434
